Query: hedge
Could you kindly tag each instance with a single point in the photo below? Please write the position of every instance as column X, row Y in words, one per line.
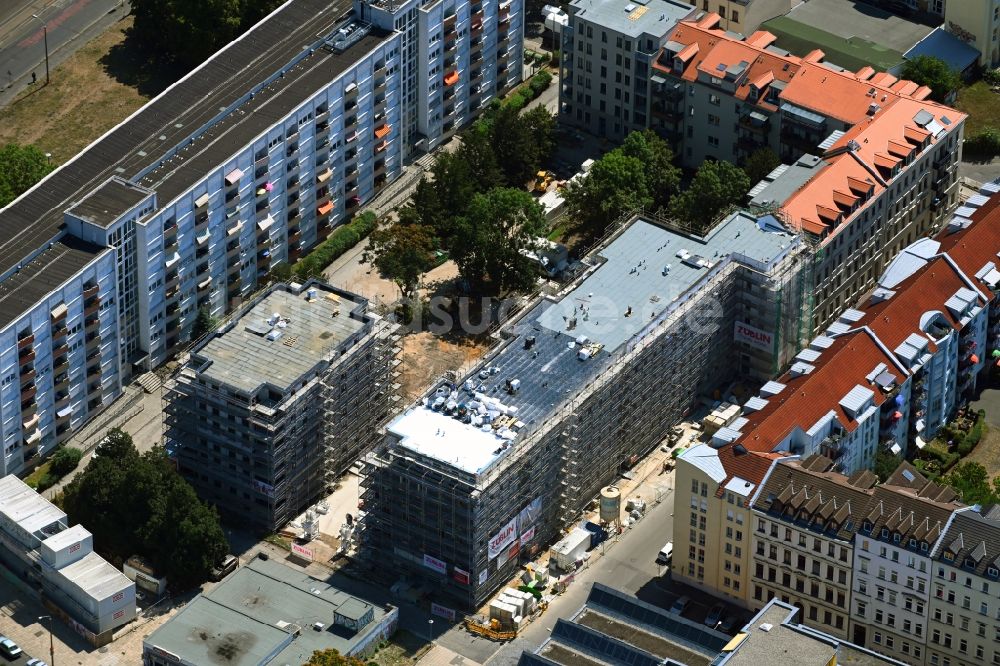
column 972, row 437
column 340, row 241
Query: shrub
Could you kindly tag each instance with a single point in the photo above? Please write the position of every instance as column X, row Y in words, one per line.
column 46, row 481
column 984, row 144
column 992, row 77
column 65, row 461
column 539, row 82
column 340, row 241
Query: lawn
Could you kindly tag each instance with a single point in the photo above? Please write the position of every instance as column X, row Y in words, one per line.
column 401, row 650
column 982, row 105
column 91, row 92
column 853, row 53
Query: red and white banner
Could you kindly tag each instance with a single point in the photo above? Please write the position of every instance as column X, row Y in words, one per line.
column 506, row 536
column 302, row 551
column 461, row 575
column 442, row 611
column 527, row 536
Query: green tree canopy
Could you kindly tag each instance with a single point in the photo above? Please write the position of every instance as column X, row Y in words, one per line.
column 662, row 177
column 20, row 168
column 885, row 464
column 933, row 73
column 615, row 184
column 65, row 460
column 138, row 504
column 716, row 186
column 203, row 323
column 972, row 483
column 489, row 240
column 759, row 164
column 190, row 31
column 402, row 253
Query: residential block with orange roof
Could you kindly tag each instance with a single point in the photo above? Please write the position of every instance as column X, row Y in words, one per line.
column 885, row 376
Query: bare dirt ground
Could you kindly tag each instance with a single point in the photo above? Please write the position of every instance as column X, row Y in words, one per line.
column 987, row 452
column 83, row 101
column 426, row 357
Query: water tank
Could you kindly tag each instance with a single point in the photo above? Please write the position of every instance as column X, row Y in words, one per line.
column 611, row 504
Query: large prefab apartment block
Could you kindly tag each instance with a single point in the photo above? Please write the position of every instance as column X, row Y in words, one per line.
column 490, row 467
column 273, row 406
column 246, row 163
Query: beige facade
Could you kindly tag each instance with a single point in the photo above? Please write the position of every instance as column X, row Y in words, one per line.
column 978, row 23
column 744, row 16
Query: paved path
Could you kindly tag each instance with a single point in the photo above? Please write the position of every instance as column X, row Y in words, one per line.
column 71, row 23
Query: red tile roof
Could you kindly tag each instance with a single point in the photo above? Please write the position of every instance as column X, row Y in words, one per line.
column 972, row 248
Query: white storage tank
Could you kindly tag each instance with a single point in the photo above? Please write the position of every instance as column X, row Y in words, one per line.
column 611, row 504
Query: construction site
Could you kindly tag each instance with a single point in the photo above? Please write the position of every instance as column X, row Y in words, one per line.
column 273, row 406
column 484, row 472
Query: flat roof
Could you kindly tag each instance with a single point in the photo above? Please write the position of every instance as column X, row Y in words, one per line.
column 148, row 137
column 634, row 17
column 309, row 332
column 254, row 613
column 786, row 180
column 25, row 507
column 471, row 426
column 109, row 201
column 68, row 536
column 98, row 579
column 53, row 266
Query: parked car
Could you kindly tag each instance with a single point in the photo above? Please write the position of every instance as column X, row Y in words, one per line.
column 8, row 648
column 680, row 605
column 728, row 624
column 224, row 568
column 36, row 662
column 714, row 616
column 666, row 554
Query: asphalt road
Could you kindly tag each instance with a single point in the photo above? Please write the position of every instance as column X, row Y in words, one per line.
column 70, row 24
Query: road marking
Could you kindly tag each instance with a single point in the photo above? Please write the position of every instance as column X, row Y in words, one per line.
column 54, row 23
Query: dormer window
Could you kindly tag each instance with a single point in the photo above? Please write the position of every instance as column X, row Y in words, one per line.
column 992, row 572
column 885, row 532
column 913, row 544
column 895, row 537
column 924, row 547
column 949, row 556
column 867, row 526
column 970, row 563
column 753, row 93
column 678, row 65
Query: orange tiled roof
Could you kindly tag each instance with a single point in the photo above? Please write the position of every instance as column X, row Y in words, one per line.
column 973, row 247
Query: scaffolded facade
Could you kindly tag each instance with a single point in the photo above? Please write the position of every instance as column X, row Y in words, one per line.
column 260, row 422
column 467, row 527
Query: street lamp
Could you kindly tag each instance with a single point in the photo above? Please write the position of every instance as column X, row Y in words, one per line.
column 45, row 35
column 430, row 631
column 52, row 646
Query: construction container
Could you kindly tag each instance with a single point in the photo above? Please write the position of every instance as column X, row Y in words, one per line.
column 570, row 549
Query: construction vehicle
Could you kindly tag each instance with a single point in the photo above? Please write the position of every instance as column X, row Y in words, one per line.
column 491, row 631
column 542, row 181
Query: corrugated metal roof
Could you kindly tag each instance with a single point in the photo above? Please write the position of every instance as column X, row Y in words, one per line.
column 856, row 399
column 25, row 507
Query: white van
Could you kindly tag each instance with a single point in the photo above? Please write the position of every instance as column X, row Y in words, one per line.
column 666, row 555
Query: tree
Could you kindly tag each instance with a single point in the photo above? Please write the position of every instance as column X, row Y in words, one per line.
column 402, row 253
column 454, row 186
column 20, row 168
column 615, row 184
column 541, row 128
column 477, row 152
column 759, row 164
column 514, row 145
column 933, row 73
column 885, row 464
column 662, row 177
column 489, row 240
column 972, row 483
column 138, row 504
column 203, row 323
column 716, row 186
column 331, row 657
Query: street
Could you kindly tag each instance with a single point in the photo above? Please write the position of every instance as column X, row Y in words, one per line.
column 69, row 23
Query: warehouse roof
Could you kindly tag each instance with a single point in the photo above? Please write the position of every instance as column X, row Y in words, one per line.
column 257, row 348
column 264, row 609
column 20, row 504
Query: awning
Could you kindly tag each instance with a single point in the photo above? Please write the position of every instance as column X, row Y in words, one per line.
column 974, row 358
column 59, row 311
column 233, row 177
column 235, row 229
column 32, row 422
column 325, row 176
column 758, row 116
column 350, row 87
column 803, row 115
column 201, row 201
column 266, row 223
column 35, row 436
column 657, row 79
column 383, row 131
column 351, row 137
column 451, row 79
column 382, row 146
column 896, row 450
column 325, row 208
column 203, row 238
column 65, row 411
column 173, row 259
column 261, row 191
column 897, row 415
column 204, row 283
column 919, row 442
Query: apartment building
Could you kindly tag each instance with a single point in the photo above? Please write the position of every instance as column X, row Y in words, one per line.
column 964, row 610
column 976, row 22
column 884, row 377
column 458, row 56
column 743, row 16
column 804, row 520
column 490, row 467
column 892, row 563
column 607, row 52
column 56, row 563
column 271, row 408
column 246, row 162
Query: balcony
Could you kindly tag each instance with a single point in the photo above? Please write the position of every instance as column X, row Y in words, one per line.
column 380, row 85
column 30, row 423
column 351, row 91
column 451, row 78
column 26, row 356
column 60, row 382
column 91, row 308
column 381, row 146
column 27, row 377
column 25, row 341
column 383, row 131
column 94, row 339
column 379, row 168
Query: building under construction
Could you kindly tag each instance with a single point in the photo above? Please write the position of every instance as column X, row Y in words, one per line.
column 487, row 470
column 271, row 407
